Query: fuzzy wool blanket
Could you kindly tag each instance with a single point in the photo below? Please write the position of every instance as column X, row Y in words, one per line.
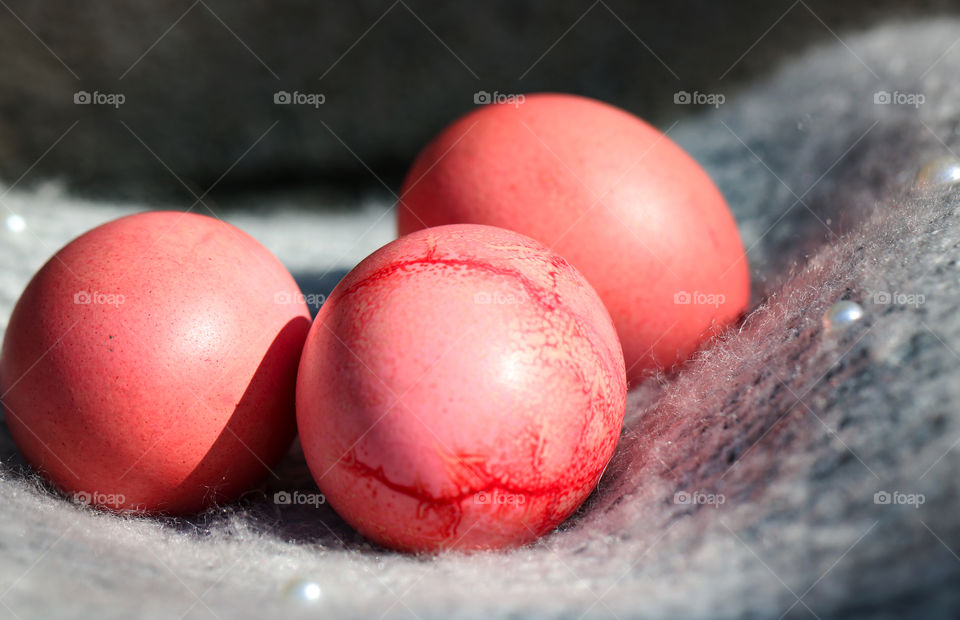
column 791, row 468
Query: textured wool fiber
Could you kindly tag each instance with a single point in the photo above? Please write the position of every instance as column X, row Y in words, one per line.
column 795, row 427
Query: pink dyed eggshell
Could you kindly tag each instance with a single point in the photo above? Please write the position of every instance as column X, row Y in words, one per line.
column 613, row 195
column 150, row 365
column 462, row 388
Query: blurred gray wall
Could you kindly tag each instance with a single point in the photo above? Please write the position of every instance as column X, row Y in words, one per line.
column 198, row 78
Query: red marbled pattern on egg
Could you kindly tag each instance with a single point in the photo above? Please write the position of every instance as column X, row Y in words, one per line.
column 613, row 195
column 180, row 395
column 455, row 361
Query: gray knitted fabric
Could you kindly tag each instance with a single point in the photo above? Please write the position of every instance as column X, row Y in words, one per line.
column 750, row 483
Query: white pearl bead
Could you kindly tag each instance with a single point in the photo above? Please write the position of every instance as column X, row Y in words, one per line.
column 15, row 223
column 303, row 591
column 940, row 172
column 843, row 314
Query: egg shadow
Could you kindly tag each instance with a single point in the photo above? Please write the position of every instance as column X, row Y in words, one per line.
column 10, row 458
column 286, row 505
column 317, row 286
column 275, row 374
column 230, row 457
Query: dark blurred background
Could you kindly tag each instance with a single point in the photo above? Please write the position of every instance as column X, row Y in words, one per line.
column 198, row 79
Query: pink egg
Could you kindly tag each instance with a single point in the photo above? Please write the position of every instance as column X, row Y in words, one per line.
column 613, row 195
column 462, row 388
column 150, row 365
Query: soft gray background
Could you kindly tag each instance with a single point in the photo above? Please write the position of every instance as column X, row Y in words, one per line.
column 796, row 426
column 199, row 77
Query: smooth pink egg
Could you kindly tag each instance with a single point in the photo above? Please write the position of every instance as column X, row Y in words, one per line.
column 462, row 388
column 150, row 365
column 608, row 192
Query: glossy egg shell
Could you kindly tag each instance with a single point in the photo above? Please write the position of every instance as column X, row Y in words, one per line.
column 150, row 365
column 608, row 192
column 462, row 388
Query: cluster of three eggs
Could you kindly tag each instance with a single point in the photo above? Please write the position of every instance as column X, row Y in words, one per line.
column 463, row 387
